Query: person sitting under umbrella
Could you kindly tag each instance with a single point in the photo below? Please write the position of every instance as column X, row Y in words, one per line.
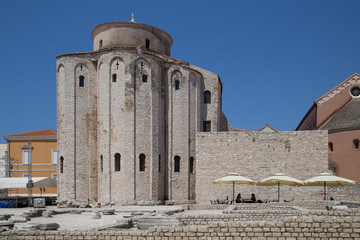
column 238, row 198
column 253, row 198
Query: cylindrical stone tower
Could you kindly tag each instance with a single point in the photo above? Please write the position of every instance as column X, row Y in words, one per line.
column 128, row 115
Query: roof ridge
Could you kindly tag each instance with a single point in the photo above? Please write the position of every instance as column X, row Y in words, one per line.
column 323, row 99
column 43, row 132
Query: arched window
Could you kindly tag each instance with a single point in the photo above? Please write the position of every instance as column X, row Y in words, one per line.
column 159, row 163
column 331, row 146
column 177, row 84
column 100, row 44
column 142, row 162
column 147, row 43
column 117, row 159
column 61, row 164
column 81, row 81
column 176, row 164
column 101, row 163
column 356, row 143
column 207, row 97
column 191, row 165
column 114, row 77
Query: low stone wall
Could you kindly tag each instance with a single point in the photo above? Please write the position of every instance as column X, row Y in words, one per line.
column 319, row 205
column 290, row 228
column 272, row 225
column 263, row 215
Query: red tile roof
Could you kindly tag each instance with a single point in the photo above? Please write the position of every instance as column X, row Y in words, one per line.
column 44, row 132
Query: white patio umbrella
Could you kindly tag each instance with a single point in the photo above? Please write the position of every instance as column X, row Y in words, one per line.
column 327, row 179
column 234, row 178
column 280, row 179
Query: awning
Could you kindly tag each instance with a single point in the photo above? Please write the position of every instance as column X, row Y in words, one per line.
column 20, row 182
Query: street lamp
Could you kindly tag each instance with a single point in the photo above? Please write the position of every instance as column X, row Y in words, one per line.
column 30, row 183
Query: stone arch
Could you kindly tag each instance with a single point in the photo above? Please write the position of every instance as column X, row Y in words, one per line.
column 81, row 75
column 117, row 162
column 116, row 69
column 207, row 97
column 176, row 79
column 59, row 67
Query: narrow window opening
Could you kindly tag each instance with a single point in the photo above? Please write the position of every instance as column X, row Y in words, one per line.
column 142, row 162
column 207, row 126
column 176, row 164
column 159, row 163
column 207, row 97
column 331, row 147
column 101, row 163
column 144, row 78
column 191, row 165
column 25, row 156
column 81, row 81
column 117, row 159
column 61, row 164
column 114, row 77
column 356, row 143
column 100, row 44
column 177, row 84
column 54, row 154
column 147, row 43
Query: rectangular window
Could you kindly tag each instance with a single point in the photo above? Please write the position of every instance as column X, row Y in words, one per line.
column 25, row 156
column 207, row 126
column 144, row 78
column 54, row 156
column 81, row 81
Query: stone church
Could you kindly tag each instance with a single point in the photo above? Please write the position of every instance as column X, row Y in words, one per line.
column 135, row 124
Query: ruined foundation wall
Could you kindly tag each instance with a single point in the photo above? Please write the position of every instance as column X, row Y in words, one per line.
column 332, row 225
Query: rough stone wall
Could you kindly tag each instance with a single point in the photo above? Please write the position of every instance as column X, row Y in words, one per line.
column 183, row 118
column 259, row 155
column 130, row 117
column 75, row 126
column 333, row 225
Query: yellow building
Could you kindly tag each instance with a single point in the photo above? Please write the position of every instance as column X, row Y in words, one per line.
column 43, row 159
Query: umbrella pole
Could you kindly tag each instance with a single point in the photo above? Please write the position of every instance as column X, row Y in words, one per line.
column 278, row 191
column 233, row 193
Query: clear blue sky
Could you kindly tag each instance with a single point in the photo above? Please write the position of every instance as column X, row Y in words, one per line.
column 274, row 57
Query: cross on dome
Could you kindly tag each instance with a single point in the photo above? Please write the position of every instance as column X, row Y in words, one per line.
column 132, row 18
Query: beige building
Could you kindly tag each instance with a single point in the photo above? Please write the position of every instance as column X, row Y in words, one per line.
column 130, row 119
column 43, row 157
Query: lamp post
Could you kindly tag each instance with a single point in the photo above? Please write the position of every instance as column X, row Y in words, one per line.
column 30, row 183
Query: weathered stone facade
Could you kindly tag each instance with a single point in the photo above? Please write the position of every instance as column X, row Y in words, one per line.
column 259, row 155
column 126, row 111
column 129, row 123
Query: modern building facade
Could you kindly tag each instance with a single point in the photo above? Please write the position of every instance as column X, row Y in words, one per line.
column 43, row 159
column 338, row 112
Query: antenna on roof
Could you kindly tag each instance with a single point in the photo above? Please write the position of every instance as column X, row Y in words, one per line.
column 132, row 18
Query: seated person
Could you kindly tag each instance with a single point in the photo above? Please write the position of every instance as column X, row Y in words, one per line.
column 238, row 198
column 253, row 198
